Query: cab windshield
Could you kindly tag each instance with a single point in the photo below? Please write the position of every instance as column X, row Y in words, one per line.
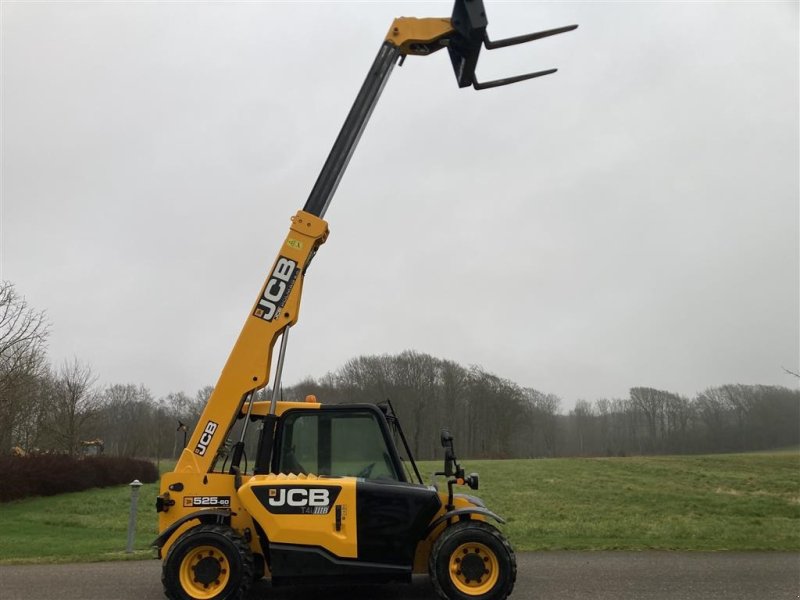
column 335, row 443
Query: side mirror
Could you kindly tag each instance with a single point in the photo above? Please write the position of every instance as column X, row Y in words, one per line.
column 449, row 455
column 446, row 438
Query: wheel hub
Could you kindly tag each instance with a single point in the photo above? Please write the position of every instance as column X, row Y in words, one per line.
column 472, row 567
column 207, row 570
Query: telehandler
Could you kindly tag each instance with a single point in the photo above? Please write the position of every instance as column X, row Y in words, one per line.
column 329, row 498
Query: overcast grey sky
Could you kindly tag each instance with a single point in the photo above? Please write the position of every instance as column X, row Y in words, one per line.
column 631, row 220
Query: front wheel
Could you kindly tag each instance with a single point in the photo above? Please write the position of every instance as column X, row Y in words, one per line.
column 470, row 560
column 208, row 562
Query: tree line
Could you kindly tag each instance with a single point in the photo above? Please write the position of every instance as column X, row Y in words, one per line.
column 63, row 409
column 492, row 417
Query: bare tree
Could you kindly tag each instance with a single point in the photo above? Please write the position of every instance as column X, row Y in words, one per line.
column 75, row 403
column 583, row 417
column 34, row 396
column 23, row 333
column 126, row 421
column 651, row 403
column 679, row 413
column 711, row 408
column 544, row 408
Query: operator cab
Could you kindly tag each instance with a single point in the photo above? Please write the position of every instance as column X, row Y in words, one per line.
column 348, row 440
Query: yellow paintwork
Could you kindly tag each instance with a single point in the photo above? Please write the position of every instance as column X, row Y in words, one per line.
column 216, row 484
column 310, row 529
column 248, row 365
column 261, row 408
column 424, row 547
column 184, row 527
column 315, row 530
column 407, row 33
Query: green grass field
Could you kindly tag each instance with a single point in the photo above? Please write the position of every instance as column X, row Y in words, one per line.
column 721, row 502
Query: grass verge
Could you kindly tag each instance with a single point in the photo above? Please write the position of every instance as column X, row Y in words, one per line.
column 721, row 502
column 82, row 526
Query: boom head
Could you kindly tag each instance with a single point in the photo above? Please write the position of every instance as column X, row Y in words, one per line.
column 469, row 24
column 464, row 35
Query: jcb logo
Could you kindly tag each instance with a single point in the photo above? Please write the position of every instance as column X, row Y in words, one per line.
column 277, row 289
column 306, row 500
column 205, row 439
column 299, row 497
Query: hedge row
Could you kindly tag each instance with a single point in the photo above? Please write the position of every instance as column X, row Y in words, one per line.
column 48, row 475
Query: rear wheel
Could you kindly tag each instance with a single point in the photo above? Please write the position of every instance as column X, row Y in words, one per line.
column 208, row 562
column 470, row 560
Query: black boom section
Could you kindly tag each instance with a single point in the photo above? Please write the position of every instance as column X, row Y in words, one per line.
column 392, row 518
column 351, row 131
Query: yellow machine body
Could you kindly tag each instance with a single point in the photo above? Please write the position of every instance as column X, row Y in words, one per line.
column 201, row 495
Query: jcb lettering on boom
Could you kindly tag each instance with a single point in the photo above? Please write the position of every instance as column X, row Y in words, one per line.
column 277, row 289
column 205, row 439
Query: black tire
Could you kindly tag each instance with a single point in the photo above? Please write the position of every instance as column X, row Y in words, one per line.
column 472, row 560
column 211, row 562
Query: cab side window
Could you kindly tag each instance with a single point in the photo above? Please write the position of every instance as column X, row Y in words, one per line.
column 299, row 448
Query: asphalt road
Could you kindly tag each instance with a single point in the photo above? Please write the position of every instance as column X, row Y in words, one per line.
column 542, row 576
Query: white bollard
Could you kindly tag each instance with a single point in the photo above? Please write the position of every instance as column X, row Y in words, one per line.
column 135, row 485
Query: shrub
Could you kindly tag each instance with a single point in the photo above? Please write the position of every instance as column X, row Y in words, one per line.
column 48, row 475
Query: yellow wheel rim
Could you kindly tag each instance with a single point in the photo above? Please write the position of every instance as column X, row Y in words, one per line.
column 204, row 572
column 474, row 568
